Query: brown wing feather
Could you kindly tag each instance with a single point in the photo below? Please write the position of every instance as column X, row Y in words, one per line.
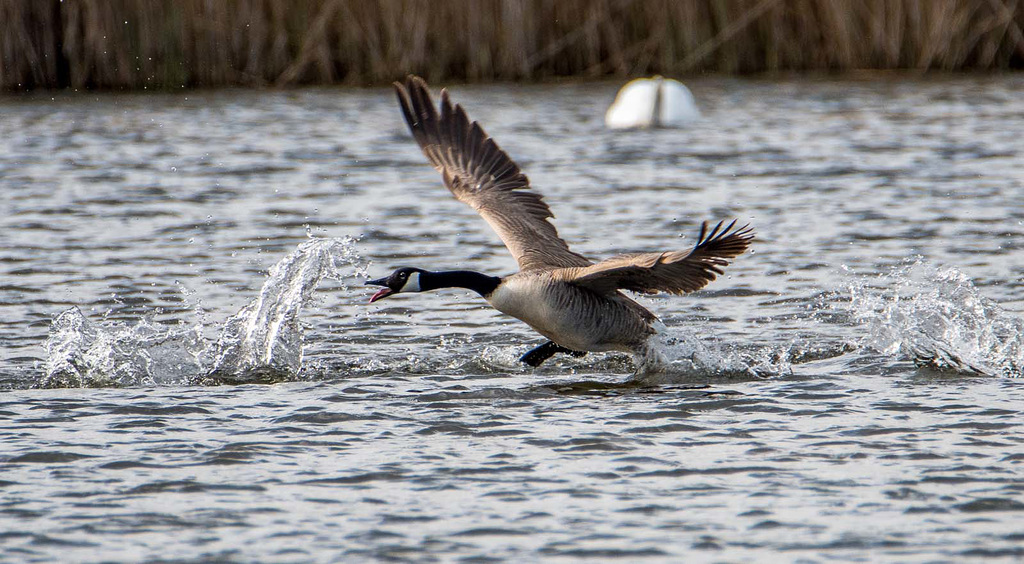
column 480, row 174
column 676, row 272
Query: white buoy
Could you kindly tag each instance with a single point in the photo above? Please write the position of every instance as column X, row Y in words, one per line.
column 652, row 102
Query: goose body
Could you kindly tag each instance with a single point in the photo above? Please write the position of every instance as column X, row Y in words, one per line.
column 572, row 316
column 575, row 303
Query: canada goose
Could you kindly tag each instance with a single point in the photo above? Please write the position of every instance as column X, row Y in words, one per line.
column 575, row 303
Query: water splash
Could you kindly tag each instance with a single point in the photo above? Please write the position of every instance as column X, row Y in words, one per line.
column 262, row 342
column 81, row 353
column 673, row 356
column 938, row 319
column 676, row 357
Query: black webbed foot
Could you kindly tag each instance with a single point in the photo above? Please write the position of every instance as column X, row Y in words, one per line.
column 535, row 357
column 538, row 355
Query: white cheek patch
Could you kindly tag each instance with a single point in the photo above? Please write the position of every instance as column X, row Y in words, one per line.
column 412, row 284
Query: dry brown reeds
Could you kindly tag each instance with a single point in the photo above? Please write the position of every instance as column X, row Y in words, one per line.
column 189, row 43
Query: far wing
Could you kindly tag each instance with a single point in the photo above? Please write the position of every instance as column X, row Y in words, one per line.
column 675, row 272
column 480, row 174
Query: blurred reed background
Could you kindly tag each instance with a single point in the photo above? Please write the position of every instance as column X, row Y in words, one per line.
column 165, row 44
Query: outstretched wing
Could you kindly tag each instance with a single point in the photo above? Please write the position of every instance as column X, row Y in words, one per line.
column 676, row 272
column 480, row 174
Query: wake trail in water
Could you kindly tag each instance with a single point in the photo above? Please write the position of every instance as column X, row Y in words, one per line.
column 260, row 343
column 673, row 356
column 938, row 319
column 932, row 316
column 676, row 357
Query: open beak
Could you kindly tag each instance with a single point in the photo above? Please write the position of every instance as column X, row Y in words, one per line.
column 383, row 292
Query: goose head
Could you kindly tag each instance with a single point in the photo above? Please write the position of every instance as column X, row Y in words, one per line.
column 405, row 279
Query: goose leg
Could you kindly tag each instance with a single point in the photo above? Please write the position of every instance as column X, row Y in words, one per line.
column 539, row 354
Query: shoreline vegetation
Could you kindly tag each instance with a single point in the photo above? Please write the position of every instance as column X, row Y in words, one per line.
column 173, row 44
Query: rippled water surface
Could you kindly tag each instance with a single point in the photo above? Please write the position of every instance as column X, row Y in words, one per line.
column 191, row 371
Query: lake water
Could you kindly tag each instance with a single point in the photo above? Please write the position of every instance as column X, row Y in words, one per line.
column 191, row 371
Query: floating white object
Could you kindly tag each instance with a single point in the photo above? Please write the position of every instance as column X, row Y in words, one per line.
column 652, row 102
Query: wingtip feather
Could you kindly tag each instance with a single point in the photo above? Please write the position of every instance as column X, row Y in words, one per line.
column 482, row 175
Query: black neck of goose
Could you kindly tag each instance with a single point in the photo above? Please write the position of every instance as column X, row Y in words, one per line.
column 476, row 281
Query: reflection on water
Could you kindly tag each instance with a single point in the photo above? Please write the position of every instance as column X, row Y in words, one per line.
column 849, row 382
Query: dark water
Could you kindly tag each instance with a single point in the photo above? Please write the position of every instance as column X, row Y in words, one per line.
column 849, row 391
